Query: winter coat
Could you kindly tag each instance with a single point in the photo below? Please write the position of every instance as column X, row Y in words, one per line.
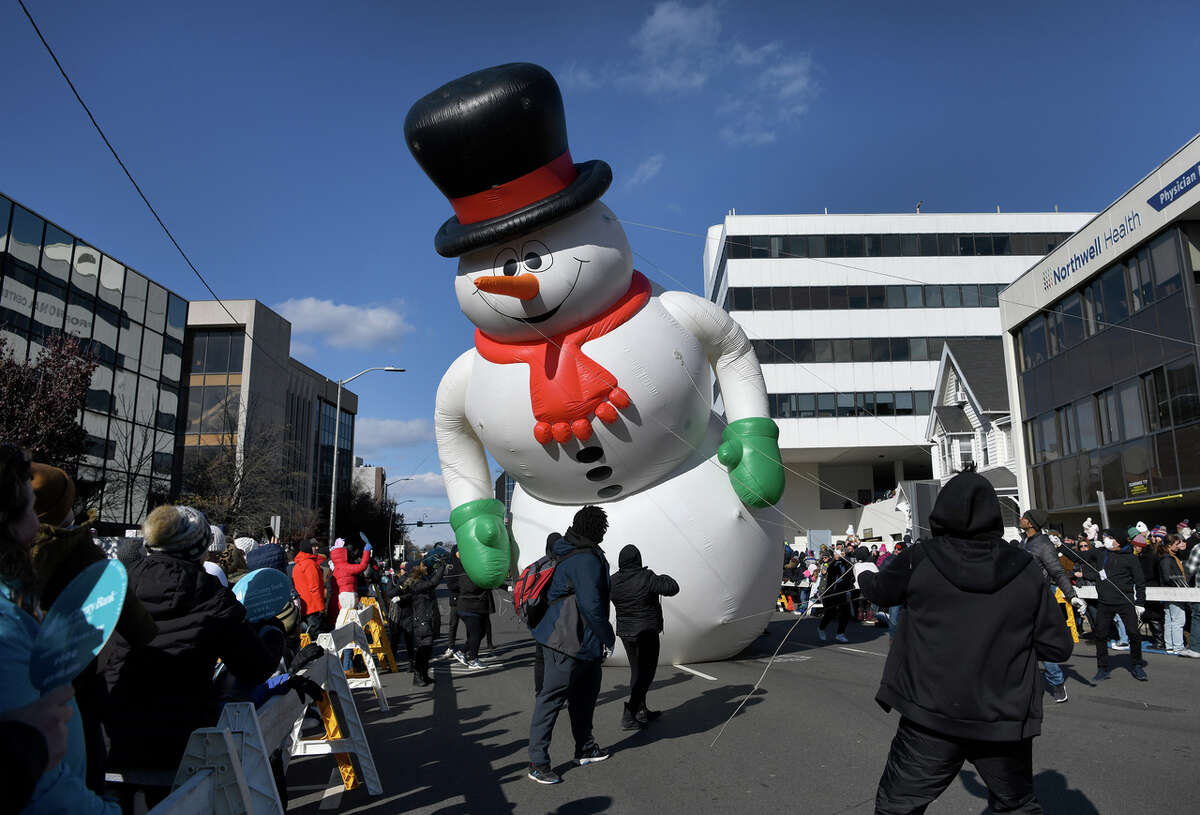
column 471, row 598
column 309, row 582
column 635, row 592
column 160, row 693
column 576, row 621
column 977, row 620
column 1170, row 572
column 1126, row 581
column 1043, row 552
column 62, row 789
column 835, row 586
column 345, row 572
column 424, row 616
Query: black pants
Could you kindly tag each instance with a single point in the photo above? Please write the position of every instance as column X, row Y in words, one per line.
column 420, row 660
column 841, row 611
column 452, row 632
column 410, row 650
column 643, row 662
column 922, row 763
column 539, row 666
column 476, row 626
column 571, row 682
column 1104, row 627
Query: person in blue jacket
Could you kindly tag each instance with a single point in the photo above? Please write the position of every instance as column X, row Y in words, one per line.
column 61, row 785
column 576, row 636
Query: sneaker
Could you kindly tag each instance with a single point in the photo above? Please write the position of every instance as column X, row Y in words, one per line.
column 1059, row 692
column 458, row 656
column 841, row 638
column 544, row 774
column 1119, row 646
column 630, row 719
column 448, row 653
column 822, row 635
column 1139, row 673
column 1101, row 675
column 1187, row 652
column 591, row 755
column 475, row 665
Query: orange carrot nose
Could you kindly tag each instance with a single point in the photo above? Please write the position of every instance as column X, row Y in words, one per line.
column 522, row 286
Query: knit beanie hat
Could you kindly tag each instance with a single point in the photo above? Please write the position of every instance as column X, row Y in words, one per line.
column 267, row 556
column 53, row 494
column 1139, row 541
column 246, row 545
column 178, row 531
column 1132, row 532
column 305, row 546
column 218, row 539
column 1037, row 517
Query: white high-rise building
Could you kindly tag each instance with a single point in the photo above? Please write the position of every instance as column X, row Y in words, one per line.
column 848, row 315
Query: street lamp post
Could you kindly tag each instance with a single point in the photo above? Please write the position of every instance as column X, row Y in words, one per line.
column 337, row 430
column 392, row 515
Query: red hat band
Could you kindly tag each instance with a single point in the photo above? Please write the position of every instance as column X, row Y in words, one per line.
column 511, row 196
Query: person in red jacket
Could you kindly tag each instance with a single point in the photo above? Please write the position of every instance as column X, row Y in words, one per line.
column 345, row 572
column 310, row 585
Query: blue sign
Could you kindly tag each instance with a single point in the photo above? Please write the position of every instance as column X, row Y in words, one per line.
column 1167, row 195
column 78, row 624
column 264, row 593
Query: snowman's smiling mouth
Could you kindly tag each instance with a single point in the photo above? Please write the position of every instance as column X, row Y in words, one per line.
column 545, row 315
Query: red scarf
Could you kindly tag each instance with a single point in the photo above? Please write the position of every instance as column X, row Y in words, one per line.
column 566, row 387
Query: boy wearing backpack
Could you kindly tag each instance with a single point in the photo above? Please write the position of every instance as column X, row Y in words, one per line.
column 576, row 636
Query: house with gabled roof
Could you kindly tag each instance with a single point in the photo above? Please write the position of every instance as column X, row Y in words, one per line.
column 970, row 421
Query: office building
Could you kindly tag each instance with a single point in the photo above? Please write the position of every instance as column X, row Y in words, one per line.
column 254, row 396
column 1100, row 342
column 848, row 315
column 369, row 479
column 53, row 281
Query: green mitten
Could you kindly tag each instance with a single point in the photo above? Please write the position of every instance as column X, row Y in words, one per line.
column 483, row 545
column 750, row 449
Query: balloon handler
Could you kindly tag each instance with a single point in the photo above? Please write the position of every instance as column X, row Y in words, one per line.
column 587, row 383
column 963, row 669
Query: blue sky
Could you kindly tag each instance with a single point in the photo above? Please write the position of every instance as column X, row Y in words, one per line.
column 269, row 137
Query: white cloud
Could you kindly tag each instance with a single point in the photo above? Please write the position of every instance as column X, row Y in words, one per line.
column 674, row 47
column 342, row 325
column 680, row 49
column 647, row 170
column 374, row 435
column 424, row 485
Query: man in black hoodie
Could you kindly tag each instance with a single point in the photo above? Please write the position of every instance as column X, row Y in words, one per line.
column 635, row 595
column 963, row 670
column 1120, row 586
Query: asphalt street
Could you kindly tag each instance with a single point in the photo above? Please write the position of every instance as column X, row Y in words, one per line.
column 811, row 739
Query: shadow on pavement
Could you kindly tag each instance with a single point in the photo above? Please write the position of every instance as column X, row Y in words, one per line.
column 1051, row 788
column 700, row 714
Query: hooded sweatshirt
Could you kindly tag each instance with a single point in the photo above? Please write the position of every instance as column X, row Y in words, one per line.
column 977, row 620
column 576, row 621
column 635, row 594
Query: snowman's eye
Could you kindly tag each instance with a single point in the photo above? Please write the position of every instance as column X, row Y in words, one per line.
column 536, row 256
column 506, row 262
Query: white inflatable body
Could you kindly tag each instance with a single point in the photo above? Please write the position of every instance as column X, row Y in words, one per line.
column 654, row 468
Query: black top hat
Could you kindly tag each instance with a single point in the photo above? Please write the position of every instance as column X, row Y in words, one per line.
column 495, row 144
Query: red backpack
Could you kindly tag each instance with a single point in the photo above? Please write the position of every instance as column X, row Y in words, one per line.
column 532, row 589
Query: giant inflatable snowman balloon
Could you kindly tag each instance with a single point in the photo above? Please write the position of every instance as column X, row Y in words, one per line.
column 587, row 383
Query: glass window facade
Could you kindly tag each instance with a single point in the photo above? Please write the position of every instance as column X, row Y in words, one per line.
column 50, row 282
column 827, row 405
column 850, row 298
column 1109, row 380
column 747, row 247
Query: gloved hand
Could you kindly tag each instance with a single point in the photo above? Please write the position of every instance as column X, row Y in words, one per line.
column 483, row 544
column 750, row 450
column 303, row 686
column 1079, row 604
column 861, row 569
column 1140, row 611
